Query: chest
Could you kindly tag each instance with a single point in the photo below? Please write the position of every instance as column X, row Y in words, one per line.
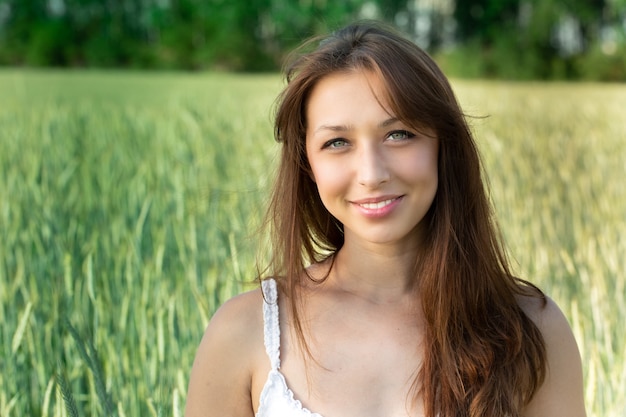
column 360, row 365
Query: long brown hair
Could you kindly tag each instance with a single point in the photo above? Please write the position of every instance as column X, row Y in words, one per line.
column 483, row 356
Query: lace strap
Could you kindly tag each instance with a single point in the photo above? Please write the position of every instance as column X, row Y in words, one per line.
column 271, row 327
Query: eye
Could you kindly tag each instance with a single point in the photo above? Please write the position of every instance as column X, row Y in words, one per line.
column 398, row 135
column 335, row 144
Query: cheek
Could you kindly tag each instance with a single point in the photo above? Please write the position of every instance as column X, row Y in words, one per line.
column 330, row 179
column 421, row 166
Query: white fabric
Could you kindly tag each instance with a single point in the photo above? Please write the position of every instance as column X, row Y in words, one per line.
column 277, row 400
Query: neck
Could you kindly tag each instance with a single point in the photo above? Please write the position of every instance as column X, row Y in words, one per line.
column 380, row 274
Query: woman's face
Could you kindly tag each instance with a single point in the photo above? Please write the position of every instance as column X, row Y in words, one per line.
column 374, row 174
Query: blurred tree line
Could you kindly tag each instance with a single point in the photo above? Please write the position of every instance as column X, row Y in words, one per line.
column 517, row 39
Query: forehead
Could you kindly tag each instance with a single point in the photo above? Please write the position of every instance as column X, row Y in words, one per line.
column 347, row 94
column 359, row 79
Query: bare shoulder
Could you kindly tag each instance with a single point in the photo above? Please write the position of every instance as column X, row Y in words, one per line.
column 240, row 314
column 221, row 375
column 562, row 391
column 545, row 313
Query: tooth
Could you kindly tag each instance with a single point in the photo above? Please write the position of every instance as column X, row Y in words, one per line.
column 380, row 204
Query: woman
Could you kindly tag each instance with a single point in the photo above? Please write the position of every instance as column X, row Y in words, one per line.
column 391, row 294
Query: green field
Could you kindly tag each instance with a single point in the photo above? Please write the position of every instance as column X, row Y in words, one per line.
column 129, row 204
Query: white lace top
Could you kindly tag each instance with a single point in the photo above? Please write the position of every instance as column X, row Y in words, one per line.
column 277, row 400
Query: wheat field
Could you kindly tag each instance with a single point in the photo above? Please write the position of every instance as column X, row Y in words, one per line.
column 129, row 204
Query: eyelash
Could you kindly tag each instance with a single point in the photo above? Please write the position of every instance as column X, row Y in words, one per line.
column 330, row 143
column 406, row 133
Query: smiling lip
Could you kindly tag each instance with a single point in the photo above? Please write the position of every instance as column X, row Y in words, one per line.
column 377, row 207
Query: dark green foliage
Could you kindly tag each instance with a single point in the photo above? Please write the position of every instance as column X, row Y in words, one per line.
column 89, row 355
column 510, row 38
column 66, row 393
column 185, row 34
column 516, row 39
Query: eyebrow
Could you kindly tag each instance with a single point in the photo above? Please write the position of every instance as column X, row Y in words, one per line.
column 345, row 128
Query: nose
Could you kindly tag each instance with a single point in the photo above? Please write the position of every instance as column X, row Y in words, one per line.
column 372, row 167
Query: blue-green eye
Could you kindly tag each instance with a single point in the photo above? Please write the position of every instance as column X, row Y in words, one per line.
column 400, row 135
column 335, row 143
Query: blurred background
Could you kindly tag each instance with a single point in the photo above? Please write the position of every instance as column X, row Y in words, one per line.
column 510, row 39
column 137, row 152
